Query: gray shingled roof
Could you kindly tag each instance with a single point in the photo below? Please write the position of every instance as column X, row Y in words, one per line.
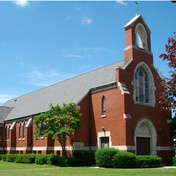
column 70, row 90
column 4, row 112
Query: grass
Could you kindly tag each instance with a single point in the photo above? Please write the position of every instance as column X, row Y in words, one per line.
column 12, row 169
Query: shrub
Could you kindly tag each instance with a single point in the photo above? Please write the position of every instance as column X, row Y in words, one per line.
column 104, row 157
column 171, row 161
column 11, row 157
column 40, row 159
column 124, row 160
column 53, row 159
column 31, row 158
column 73, row 162
column 3, row 157
column 86, row 158
column 63, row 162
column 27, row 158
column 20, row 158
column 66, row 162
column 148, row 161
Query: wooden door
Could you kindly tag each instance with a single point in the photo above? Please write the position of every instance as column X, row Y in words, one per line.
column 143, row 146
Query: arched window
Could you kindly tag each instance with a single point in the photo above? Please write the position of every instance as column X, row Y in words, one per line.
column 22, row 130
column 103, row 104
column 7, row 128
column 141, row 37
column 144, row 87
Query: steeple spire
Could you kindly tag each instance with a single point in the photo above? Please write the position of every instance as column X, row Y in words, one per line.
column 136, row 7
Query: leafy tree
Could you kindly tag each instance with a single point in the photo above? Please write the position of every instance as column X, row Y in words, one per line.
column 59, row 123
column 173, row 123
column 168, row 97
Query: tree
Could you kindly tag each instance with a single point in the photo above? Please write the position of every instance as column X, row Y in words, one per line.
column 59, row 123
column 168, row 97
column 173, row 123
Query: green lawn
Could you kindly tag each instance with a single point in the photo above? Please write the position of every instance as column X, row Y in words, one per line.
column 13, row 169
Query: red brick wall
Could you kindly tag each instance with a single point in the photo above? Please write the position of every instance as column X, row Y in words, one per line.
column 158, row 117
column 2, row 144
column 83, row 134
column 114, row 121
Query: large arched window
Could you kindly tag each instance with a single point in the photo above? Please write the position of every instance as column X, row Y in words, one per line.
column 142, row 85
column 103, row 106
column 144, row 88
column 141, row 37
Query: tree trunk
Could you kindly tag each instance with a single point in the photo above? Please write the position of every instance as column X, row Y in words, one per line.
column 63, row 145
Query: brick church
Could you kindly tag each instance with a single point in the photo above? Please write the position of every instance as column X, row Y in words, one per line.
column 118, row 102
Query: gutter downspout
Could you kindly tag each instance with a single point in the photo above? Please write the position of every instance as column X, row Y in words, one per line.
column 90, row 121
column 3, row 140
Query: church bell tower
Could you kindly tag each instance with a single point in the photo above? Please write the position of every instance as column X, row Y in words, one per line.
column 137, row 44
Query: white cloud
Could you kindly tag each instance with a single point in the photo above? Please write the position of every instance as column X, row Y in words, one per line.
column 86, row 20
column 77, row 8
column 84, row 52
column 21, row 64
column 75, row 56
column 5, row 97
column 68, row 18
column 39, row 78
column 21, row 3
column 37, row 74
column 121, row 2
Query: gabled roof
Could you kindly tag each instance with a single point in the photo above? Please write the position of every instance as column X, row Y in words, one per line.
column 133, row 20
column 71, row 90
column 4, row 112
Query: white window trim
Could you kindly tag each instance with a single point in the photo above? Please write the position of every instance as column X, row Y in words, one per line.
column 152, row 86
column 103, row 134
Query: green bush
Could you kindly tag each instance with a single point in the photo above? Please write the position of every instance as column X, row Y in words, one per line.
column 86, row 158
column 69, row 162
column 26, row 158
column 73, row 162
column 171, row 161
column 40, row 159
column 53, row 159
column 63, row 162
column 148, row 161
column 31, row 158
column 124, row 160
column 104, row 157
column 3, row 157
column 11, row 157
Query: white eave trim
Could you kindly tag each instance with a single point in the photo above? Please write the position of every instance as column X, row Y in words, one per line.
column 127, row 63
column 28, row 123
column 123, row 88
column 12, row 126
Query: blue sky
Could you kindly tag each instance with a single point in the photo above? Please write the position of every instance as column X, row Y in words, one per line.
column 42, row 43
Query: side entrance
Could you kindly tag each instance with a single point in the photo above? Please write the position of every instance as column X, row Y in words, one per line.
column 145, row 137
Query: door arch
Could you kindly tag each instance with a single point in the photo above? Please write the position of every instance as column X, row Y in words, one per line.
column 145, row 137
